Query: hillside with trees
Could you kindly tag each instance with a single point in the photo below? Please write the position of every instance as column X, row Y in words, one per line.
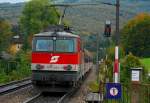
column 11, row 12
column 86, row 18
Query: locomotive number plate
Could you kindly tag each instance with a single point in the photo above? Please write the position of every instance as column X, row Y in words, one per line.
column 54, row 67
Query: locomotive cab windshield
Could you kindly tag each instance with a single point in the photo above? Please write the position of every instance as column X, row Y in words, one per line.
column 51, row 44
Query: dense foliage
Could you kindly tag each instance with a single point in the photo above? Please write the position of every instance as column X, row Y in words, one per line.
column 5, row 34
column 36, row 16
column 16, row 69
column 136, row 36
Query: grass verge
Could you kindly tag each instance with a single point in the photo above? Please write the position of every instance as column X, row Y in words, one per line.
column 146, row 63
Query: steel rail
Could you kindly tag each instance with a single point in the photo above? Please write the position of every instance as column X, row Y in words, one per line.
column 61, row 99
column 14, row 82
column 64, row 98
column 67, row 95
column 13, row 86
column 33, row 98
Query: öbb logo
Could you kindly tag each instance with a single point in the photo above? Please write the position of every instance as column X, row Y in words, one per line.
column 54, row 59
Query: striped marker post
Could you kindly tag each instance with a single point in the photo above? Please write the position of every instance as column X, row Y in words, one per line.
column 116, row 65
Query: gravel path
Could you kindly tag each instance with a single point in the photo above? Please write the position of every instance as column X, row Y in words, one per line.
column 80, row 96
column 19, row 96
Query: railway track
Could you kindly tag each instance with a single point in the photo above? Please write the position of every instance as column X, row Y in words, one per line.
column 39, row 98
column 64, row 98
column 13, row 86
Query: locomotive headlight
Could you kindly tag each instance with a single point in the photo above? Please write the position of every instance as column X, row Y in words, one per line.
column 65, row 67
column 69, row 67
column 38, row 66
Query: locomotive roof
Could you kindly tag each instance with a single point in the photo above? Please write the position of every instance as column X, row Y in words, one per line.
column 60, row 34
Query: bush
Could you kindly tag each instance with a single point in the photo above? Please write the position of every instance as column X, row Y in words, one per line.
column 24, row 60
column 94, row 86
column 130, row 61
column 15, row 75
column 4, row 78
column 18, row 70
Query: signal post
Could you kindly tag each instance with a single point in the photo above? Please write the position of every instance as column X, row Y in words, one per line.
column 116, row 86
column 116, row 63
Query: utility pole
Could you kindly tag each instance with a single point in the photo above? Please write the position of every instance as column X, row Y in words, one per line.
column 97, row 58
column 116, row 63
column 117, row 21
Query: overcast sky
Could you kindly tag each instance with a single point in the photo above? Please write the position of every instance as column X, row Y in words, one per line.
column 12, row 1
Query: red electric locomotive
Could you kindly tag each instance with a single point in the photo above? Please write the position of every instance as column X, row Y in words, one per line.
column 58, row 58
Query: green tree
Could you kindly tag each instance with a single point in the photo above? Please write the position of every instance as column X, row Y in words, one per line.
column 37, row 15
column 5, row 34
column 136, row 36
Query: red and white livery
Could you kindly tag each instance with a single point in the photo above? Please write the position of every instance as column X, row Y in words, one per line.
column 58, row 57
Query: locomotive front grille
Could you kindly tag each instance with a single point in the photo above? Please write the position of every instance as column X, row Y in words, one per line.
column 55, row 76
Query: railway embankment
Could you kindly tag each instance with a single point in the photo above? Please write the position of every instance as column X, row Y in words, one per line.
column 18, row 96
